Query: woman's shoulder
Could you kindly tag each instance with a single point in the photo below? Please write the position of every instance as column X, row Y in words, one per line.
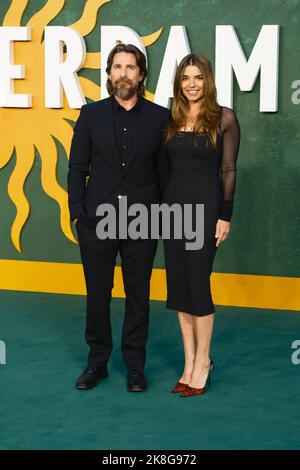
column 228, row 117
column 227, row 112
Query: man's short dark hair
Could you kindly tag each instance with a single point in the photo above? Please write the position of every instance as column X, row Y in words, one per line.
column 140, row 60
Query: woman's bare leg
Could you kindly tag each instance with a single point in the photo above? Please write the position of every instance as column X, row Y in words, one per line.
column 187, row 326
column 203, row 329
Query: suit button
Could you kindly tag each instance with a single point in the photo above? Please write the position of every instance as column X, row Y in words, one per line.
column 123, row 164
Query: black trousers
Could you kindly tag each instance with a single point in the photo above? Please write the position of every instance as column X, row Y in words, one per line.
column 99, row 259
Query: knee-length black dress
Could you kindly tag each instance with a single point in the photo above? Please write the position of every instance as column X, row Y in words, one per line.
column 199, row 174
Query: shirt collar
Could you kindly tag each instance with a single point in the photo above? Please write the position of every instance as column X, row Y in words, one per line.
column 118, row 107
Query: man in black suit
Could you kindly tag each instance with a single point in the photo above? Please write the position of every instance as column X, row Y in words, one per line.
column 117, row 151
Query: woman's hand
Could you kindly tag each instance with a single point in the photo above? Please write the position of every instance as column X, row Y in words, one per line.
column 222, row 231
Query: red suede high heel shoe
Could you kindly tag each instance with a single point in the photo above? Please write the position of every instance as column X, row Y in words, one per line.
column 179, row 387
column 190, row 391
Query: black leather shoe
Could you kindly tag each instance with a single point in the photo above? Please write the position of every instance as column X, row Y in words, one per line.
column 90, row 377
column 136, row 381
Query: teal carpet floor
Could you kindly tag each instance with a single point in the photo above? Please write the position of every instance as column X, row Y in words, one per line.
column 253, row 401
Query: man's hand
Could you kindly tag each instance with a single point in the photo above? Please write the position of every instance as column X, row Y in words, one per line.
column 222, row 231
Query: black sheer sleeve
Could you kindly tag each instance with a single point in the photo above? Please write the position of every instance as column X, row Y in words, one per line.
column 231, row 141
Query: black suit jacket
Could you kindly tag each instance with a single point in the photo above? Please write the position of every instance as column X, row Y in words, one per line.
column 96, row 174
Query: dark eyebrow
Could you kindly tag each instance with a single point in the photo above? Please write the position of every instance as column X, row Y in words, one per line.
column 187, row 76
column 127, row 65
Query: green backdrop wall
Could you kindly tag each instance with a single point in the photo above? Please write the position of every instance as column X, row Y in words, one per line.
column 265, row 227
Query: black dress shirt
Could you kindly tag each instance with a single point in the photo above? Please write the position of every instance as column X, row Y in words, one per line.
column 125, row 128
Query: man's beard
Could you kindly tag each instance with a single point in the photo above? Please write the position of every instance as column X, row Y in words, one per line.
column 122, row 91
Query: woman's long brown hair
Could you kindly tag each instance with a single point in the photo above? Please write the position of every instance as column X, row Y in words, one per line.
column 209, row 116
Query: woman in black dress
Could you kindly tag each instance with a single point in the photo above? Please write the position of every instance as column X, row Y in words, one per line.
column 202, row 144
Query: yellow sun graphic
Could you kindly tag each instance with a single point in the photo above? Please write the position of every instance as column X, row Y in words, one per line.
column 34, row 129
